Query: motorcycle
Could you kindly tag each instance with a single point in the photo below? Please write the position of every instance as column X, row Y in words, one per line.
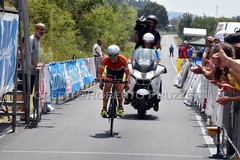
column 145, row 81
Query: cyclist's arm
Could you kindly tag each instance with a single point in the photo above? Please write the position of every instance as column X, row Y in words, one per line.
column 101, row 69
column 127, row 73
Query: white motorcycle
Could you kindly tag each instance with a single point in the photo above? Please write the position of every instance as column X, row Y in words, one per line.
column 145, row 81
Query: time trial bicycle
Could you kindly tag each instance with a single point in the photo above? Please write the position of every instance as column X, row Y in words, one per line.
column 112, row 108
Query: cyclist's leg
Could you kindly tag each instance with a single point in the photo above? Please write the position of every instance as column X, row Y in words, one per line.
column 106, row 93
column 119, row 89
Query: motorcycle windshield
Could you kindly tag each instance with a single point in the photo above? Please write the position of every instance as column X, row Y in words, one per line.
column 144, row 59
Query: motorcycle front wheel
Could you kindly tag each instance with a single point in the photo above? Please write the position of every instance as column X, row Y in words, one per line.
column 141, row 107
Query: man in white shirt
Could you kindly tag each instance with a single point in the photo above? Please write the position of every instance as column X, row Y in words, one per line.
column 97, row 51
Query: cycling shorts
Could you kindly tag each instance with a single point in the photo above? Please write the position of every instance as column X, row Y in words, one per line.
column 118, row 74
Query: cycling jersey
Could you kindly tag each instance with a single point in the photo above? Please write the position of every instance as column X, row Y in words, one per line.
column 122, row 63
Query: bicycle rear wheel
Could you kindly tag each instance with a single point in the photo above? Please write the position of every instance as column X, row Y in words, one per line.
column 113, row 106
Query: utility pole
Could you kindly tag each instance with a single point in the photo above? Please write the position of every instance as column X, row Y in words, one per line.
column 217, row 11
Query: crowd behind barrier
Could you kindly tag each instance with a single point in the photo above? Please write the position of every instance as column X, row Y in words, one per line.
column 199, row 92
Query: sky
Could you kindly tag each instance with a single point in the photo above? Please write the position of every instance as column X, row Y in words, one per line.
column 213, row 8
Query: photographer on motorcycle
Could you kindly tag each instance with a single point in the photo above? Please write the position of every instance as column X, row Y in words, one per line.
column 116, row 65
column 149, row 27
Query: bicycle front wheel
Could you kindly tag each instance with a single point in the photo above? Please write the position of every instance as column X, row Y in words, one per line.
column 112, row 114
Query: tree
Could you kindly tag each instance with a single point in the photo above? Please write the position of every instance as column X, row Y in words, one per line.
column 60, row 37
column 185, row 21
column 113, row 23
column 208, row 23
column 159, row 11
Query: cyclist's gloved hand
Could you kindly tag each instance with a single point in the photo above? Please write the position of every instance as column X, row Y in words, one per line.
column 101, row 86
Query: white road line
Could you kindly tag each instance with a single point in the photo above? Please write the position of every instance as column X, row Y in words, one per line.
column 5, row 132
column 103, row 153
column 207, row 138
column 173, row 64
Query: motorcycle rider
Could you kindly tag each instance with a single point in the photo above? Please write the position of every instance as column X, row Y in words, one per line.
column 116, row 65
column 148, row 42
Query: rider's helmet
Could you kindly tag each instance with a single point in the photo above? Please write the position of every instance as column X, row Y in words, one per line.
column 148, row 37
column 113, row 51
column 153, row 18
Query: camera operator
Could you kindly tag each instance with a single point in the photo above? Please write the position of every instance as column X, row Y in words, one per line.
column 144, row 26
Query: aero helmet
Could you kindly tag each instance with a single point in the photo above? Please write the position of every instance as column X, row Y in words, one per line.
column 148, row 37
column 113, row 50
column 154, row 18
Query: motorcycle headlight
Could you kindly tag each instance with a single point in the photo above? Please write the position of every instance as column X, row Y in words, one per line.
column 150, row 75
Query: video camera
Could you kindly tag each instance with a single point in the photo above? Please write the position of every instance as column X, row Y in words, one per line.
column 142, row 25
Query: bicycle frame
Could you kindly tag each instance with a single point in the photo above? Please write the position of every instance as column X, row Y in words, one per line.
column 112, row 108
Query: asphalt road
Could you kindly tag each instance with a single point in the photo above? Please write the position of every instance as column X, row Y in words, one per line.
column 76, row 131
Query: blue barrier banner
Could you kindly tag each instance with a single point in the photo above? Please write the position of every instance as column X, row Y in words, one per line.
column 87, row 77
column 79, row 73
column 73, row 74
column 91, row 66
column 8, row 50
column 57, row 80
column 68, row 78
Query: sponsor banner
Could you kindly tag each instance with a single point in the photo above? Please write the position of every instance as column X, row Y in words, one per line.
column 187, row 82
column 57, row 80
column 202, row 88
column 199, row 89
column 41, row 87
column 72, row 72
column 67, row 76
column 180, row 63
column 80, row 74
column 179, row 80
column 191, row 92
column 91, row 66
column 87, row 77
column 8, row 50
column 47, row 87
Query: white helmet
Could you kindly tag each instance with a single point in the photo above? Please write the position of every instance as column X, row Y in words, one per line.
column 148, row 37
column 113, row 50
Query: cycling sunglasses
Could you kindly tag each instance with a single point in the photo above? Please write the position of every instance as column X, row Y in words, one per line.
column 113, row 56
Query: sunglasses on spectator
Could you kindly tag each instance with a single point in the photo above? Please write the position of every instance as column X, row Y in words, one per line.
column 42, row 29
column 210, row 41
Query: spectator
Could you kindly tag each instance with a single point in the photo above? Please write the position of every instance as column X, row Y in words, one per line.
column 184, row 52
column 97, row 53
column 40, row 29
column 190, row 51
column 220, row 59
column 207, row 51
column 171, row 50
column 194, row 56
column 210, row 71
column 74, row 57
column 179, row 50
